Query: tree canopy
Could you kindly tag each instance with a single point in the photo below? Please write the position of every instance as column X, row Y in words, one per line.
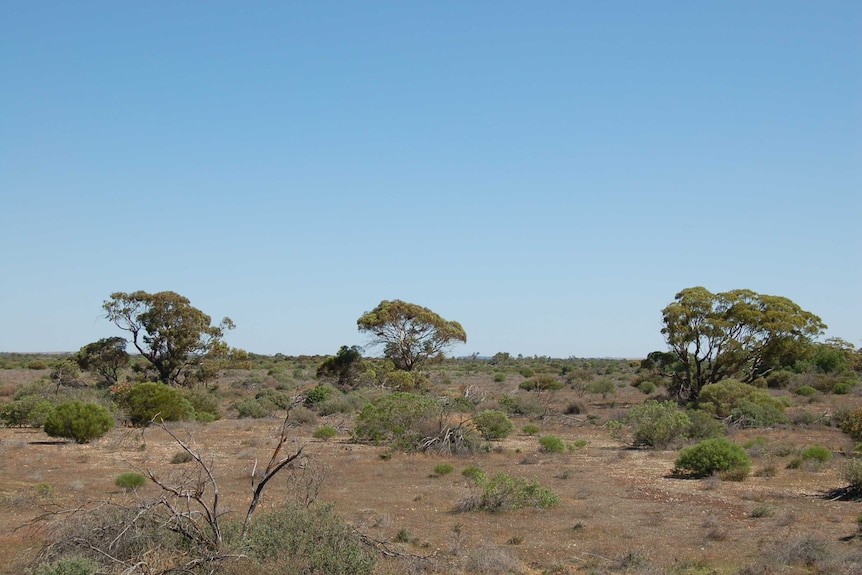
column 738, row 333
column 411, row 334
column 175, row 337
column 107, row 357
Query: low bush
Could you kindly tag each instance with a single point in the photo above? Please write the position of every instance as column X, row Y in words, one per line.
column 443, row 468
column 503, row 492
column 522, row 404
column 499, row 377
column 473, row 472
column 805, row 390
column 850, row 422
column 541, row 383
column 493, row 425
column 646, row 387
column 746, row 405
column 325, row 432
column 530, row 429
column 29, row 411
column 716, row 455
column 318, row 394
column 851, row 472
column 130, row 481
column 655, row 424
column 299, row 539
column 68, row 566
column 816, row 453
column 205, row 403
column 604, row 386
column 146, row 401
column 399, row 419
column 252, row 408
column 552, row 444
column 79, row 421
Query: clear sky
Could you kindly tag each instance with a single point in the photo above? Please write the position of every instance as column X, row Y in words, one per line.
column 549, row 174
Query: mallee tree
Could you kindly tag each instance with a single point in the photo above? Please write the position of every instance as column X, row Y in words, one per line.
column 410, row 334
column 174, row 336
column 739, row 333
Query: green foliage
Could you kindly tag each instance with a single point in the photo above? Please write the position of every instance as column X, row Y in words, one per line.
column 106, row 357
column 310, row 540
column 552, row 444
column 149, row 400
column 739, row 333
column 604, row 386
column 204, row 402
column 503, row 492
column 318, row 394
column 346, row 366
column 817, row 453
column 253, row 408
column 493, row 424
column 850, row 422
column 29, row 411
column 716, row 455
column 521, row 404
column 526, row 372
column 171, row 334
column 400, row 419
column 411, row 335
column 130, row 481
column 499, row 377
column 745, row 405
column 646, row 387
column 444, row 468
column 37, row 364
column 67, row 566
column 541, row 383
column 530, row 429
column 656, row 424
column 805, row 390
column 400, row 380
column 473, row 472
column 325, row 432
column 79, row 421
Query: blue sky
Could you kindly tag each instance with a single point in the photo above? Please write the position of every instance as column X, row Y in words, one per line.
column 549, row 174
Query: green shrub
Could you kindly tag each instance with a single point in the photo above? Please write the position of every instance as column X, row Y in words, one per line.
column 655, row 424
column 29, row 411
column 842, row 388
column 805, row 390
column 716, row 455
column 817, row 453
column 443, row 468
column 79, row 421
column 552, row 444
column 723, row 397
column 252, row 408
column 325, row 432
column 130, row 480
column 531, row 429
column 521, row 404
column 205, row 404
column 146, row 401
column 499, row 377
column 603, row 386
column 526, row 372
column 503, row 492
column 67, row 566
column 37, row 364
column 850, row 422
column 346, row 403
column 473, row 472
column 400, row 419
column 851, row 472
column 541, row 383
column 493, row 424
column 646, row 387
column 318, row 394
column 750, row 414
column 299, row 539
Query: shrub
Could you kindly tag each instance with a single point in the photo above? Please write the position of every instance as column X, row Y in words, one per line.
column 251, row 407
column 325, row 432
column 130, row 481
column 521, row 404
column 656, row 424
column 526, row 372
column 67, row 566
column 29, row 411
column 400, row 419
column 37, row 364
column 181, row 457
column 473, row 472
column 851, row 472
column 716, row 455
column 603, row 386
column 850, row 422
column 805, row 390
column 646, row 387
column 146, row 401
column 318, row 394
column 499, row 377
column 205, row 404
column 504, row 492
column 750, row 414
column 493, row 424
column 541, row 383
column 531, row 429
column 723, row 397
column 817, row 453
column 552, row 444
column 842, row 388
column 79, row 421
column 443, row 468
column 298, row 539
